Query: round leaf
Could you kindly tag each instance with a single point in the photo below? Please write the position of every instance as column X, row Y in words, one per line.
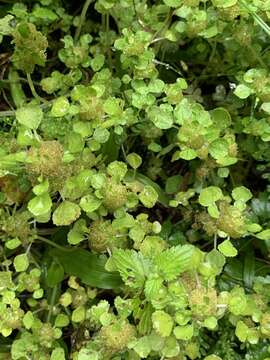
column 66, row 213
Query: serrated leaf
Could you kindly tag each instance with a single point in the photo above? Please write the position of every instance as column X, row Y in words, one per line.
column 172, row 262
column 132, row 266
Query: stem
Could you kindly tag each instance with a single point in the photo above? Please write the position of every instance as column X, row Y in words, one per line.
column 52, row 302
column 82, row 19
column 32, row 86
column 51, row 243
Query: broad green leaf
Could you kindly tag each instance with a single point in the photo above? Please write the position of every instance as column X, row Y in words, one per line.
column 29, row 116
column 148, row 196
column 134, row 160
column 60, row 107
column 242, row 91
column 173, row 3
column 90, row 203
column 162, row 323
column 89, row 268
column 40, row 205
column 210, row 195
column 227, row 249
column 263, row 235
column 219, row 148
column 188, row 154
column 183, row 332
column 55, row 274
column 66, row 213
column 58, row 354
column 161, row 116
column 21, row 262
column 241, row 193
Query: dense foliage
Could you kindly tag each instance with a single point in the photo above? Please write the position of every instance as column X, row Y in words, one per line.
column 134, row 179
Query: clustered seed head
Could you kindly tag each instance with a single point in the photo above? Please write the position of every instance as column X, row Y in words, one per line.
column 117, row 336
column 103, row 236
column 203, row 302
column 231, row 220
column 114, row 195
column 46, row 160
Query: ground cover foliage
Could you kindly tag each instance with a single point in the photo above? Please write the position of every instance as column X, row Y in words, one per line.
column 134, row 179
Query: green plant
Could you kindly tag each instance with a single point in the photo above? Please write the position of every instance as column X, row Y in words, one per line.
column 134, row 180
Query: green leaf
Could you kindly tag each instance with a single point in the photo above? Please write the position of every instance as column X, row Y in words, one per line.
column 60, row 107
column 162, row 323
column 219, row 148
column 263, row 235
column 162, row 197
column 173, row 3
column 183, row 332
column 66, row 213
column 210, row 195
column 58, row 354
column 5, row 27
column 21, row 262
column 90, row 203
column 89, row 268
column 134, row 160
column 188, row 154
column 148, row 196
column 161, row 116
column 55, row 274
column 29, row 116
column 97, row 62
column 172, row 262
column 242, row 91
column 227, row 249
column 241, row 193
column 40, row 205
column 132, row 266
column 173, row 184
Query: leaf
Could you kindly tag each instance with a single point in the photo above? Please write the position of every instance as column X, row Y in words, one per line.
column 132, row 266
column 242, row 91
column 172, row 262
column 60, row 107
column 40, row 205
column 55, row 274
column 29, row 116
column 161, row 116
column 162, row 197
column 162, row 323
column 227, row 249
column 263, row 235
column 188, row 154
column 66, row 213
column 134, row 160
column 249, row 268
column 21, row 262
column 241, row 193
column 210, row 195
column 90, row 203
column 148, row 196
column 89, row 268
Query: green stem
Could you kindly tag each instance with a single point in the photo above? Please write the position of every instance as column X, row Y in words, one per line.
column 52, row 303
column 32, row 87
column 51, row 243
column 82, row 19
